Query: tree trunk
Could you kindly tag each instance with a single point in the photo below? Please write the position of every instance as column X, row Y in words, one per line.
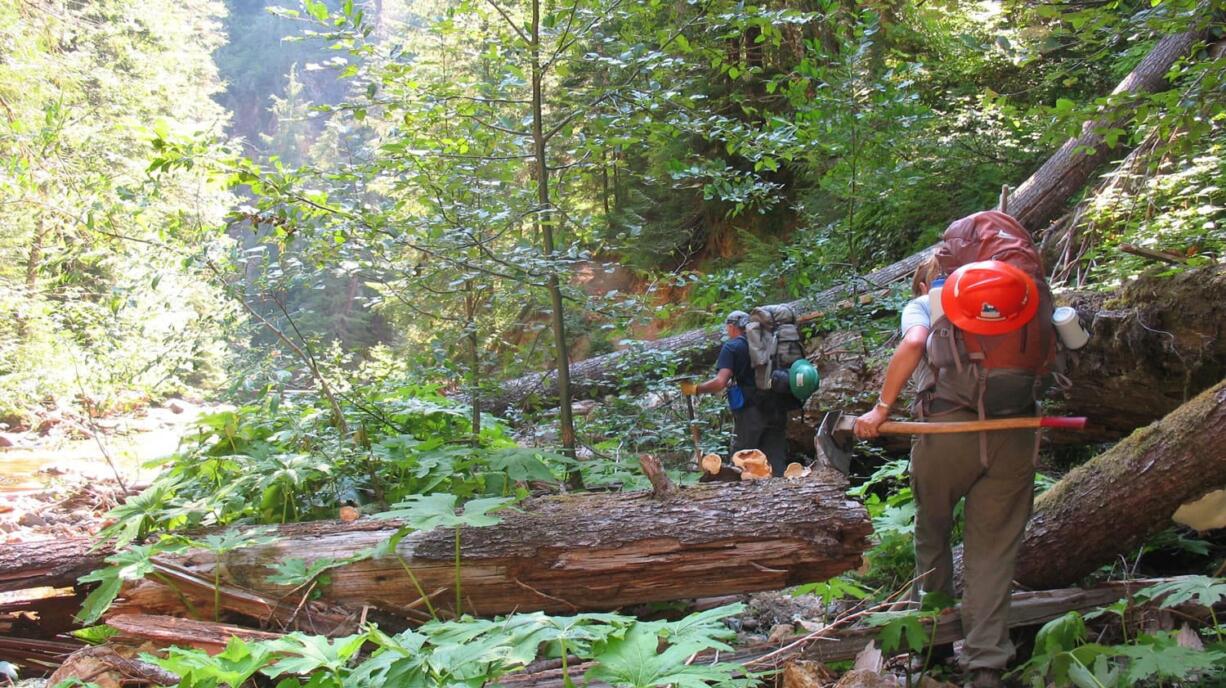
column 1035, row 203
column 569, row 553
column 1109, row 505
column 545, row 217
column 1041, row 197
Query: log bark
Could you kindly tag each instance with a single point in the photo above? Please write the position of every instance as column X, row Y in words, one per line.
column 1110, row 504
column 1035, row 203
column 164, row 631
column 50, row 564
column 570, row 553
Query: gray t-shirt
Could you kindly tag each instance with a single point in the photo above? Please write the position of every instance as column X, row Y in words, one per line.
column 916, row 312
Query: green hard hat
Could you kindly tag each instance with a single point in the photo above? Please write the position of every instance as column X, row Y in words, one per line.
column 803, row 379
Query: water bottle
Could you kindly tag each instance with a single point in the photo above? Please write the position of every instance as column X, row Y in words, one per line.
column 934, row 300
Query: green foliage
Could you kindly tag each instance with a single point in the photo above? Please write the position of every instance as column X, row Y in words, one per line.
column 131, row 564
column 906, row 629
column 473, row 652
column 231, row 667
column 1063, row 657
column 834, row 589
column 92, row 279
column 283, row 461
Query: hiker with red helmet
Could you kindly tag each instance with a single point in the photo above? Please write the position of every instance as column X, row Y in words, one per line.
column 987, row 354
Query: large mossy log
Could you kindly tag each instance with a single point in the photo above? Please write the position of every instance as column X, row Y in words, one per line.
column 571, row 553
column 1036, row 202
column 1110, row 504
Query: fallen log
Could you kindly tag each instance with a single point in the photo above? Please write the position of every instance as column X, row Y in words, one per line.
column 164, row 631
column 1036, row 202
column 1041, row 197
column 48, row 564
column 36, row 656
column 1110, row 504
column 564, row 554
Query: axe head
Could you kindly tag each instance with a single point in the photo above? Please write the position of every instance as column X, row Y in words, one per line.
column 833, row 441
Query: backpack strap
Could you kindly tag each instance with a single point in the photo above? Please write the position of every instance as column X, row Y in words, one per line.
column 974, row 351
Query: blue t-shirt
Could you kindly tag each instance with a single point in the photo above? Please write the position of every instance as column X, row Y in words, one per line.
column 734, row 355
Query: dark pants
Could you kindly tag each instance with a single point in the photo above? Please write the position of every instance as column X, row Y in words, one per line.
column 762, row 427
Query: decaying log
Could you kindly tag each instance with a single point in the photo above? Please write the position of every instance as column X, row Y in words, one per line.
column 1110, row 504
column 164, row 631
column 1035, row 203
column 35, row 656
column 569, row 553
column 106, row 667
column 48, row 564
column 39, row 613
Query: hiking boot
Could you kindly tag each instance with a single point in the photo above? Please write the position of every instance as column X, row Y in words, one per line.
column 985, row 678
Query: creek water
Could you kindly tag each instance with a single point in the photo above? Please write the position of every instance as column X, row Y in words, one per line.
column 135, row 446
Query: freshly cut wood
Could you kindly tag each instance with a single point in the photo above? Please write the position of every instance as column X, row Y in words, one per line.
column 796, row 470
column 1035, row 203
column 753, row 464
column 1110, row 504
column 165, row 631
column 569, row 553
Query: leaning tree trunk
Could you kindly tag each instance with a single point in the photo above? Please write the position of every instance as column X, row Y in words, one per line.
column 1109, row 505
column 600, row 375
column 1036, row 202
column 1041, row 197
column 570, row 553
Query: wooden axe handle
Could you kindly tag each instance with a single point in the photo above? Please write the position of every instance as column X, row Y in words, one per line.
column 892, row 427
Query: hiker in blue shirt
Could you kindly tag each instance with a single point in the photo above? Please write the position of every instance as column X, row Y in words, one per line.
column 757, row 422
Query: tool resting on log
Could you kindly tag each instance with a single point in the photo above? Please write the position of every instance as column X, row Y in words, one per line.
column 568, row 553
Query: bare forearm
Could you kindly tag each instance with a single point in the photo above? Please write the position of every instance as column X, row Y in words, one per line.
column 903, row 363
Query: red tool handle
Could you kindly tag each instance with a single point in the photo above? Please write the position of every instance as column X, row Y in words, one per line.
column 944, row 427
column 1065, row 422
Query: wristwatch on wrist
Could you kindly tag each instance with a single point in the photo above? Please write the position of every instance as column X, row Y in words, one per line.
column 882, row 405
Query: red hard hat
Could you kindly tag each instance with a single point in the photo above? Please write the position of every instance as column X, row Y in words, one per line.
column 989, row 297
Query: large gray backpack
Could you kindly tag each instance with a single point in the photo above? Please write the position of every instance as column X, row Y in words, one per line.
column 775, row 343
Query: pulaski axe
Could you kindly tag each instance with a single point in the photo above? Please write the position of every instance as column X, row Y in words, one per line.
column 835, row 435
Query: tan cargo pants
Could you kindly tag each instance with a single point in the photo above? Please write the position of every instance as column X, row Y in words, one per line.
column 944, row 469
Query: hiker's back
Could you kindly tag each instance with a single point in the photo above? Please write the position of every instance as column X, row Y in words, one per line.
column 993, row 348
